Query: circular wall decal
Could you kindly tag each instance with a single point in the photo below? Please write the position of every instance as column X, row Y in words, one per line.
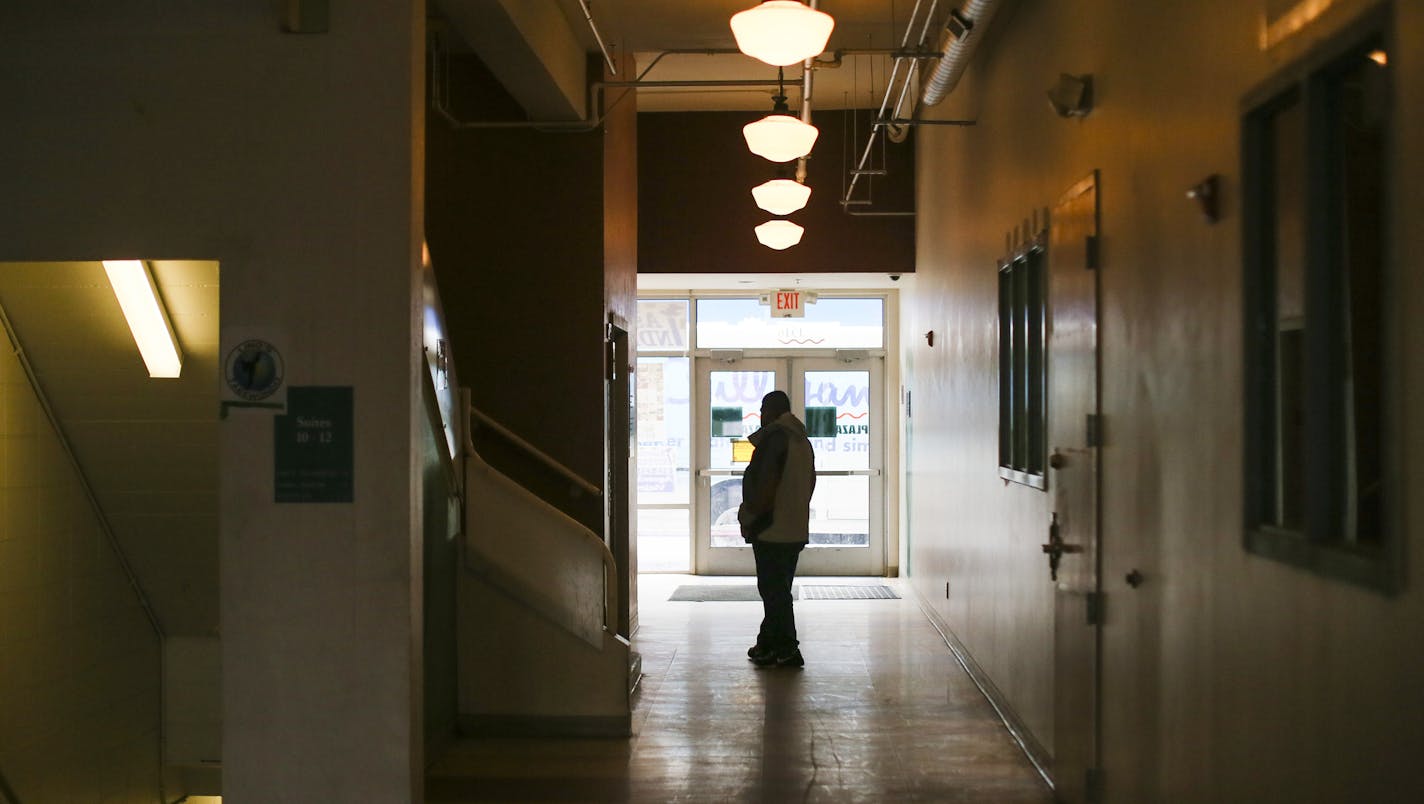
column 254, row 369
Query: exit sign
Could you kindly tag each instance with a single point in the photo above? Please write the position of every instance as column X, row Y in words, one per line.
column 787, row 304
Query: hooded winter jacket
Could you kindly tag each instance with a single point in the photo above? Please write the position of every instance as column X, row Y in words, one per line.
column 777, row 485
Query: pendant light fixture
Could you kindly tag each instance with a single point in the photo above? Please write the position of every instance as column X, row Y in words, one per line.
column 782, row 32
column 781, row 196
column 779, row 234
column 780, row 137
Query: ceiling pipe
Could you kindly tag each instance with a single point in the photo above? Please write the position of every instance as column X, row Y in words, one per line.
column 807, row 70
column 908, row 57
column 440, row 94
column 965, row 27
column 588, row 15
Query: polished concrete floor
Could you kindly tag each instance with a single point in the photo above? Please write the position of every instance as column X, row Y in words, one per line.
column 881, row 713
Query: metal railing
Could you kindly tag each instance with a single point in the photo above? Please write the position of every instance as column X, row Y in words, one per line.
column 485, row 420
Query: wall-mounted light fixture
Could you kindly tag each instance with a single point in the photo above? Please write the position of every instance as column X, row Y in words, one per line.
column 1207, row 194
column 148, row 321
column 781, row 196
column 779, row 234
column 1072, row 96
column 780, row 137
column 782, row 32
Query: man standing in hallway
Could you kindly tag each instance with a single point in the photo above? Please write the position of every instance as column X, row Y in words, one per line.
column 775, row 517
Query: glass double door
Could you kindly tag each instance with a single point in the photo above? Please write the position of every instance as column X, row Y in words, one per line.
column 839, row 401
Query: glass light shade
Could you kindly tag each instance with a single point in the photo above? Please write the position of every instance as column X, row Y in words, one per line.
column 782, row 32
column 780, row 137
column 781, row 196
column 779, row 234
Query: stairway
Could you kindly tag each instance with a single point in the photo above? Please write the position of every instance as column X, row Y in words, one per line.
column 538, row 650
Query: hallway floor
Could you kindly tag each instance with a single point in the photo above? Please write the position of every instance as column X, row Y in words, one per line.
column 882, row 712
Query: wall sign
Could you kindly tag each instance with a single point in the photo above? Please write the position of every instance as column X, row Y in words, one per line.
column 314, row 446
column 254, row 370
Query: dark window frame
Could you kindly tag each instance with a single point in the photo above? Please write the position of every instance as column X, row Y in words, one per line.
column 1023, row 364
column 1322, row 544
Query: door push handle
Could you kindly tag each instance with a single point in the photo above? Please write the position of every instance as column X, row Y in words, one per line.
column 1057, row 460
column 1056, row 547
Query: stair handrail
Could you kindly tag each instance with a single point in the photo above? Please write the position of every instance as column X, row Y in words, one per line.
column 85, row 486
column 543, row 457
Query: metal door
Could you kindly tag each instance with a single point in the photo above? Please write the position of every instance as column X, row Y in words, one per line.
column 1073, row 427
column 729, row 409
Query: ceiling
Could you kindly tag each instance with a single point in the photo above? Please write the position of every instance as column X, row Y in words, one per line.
column 148, row 447
column 648, row 27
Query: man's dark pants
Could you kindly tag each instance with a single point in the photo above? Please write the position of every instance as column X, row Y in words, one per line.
column 776, row 569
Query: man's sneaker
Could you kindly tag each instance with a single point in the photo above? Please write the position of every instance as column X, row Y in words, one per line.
column 791, row 659
column 757, row 652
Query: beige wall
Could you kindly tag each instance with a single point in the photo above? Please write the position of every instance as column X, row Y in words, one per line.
column 79, row 677
column 1226, row 677
column 294, row 161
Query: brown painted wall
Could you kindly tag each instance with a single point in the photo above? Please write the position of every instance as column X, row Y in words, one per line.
column 697, row 214
column 514, row 220
column 1226, row 677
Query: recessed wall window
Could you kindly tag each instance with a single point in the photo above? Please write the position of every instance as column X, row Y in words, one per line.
column 1316, row 168
column 1022, row 369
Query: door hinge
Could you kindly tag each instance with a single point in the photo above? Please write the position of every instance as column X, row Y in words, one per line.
column 1094, row 430
column 1093, row 784
column 1095, row 608
column 1090, row 252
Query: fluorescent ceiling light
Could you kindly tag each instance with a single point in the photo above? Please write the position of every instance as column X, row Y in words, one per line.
column 148, row 321
column 781, row 196
column 779, row 234
column 780, row 137
column 782, row 32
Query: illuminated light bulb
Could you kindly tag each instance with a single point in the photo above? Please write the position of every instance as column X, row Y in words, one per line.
column 780, row 137
column 782, row 32
column 779, row 234
column 148, row 321
column 781, row 196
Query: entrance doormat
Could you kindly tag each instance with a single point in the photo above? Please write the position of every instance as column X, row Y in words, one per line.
column 855, row 592
column 718, row 593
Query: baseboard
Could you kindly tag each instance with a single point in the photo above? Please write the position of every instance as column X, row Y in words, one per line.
column 545, row 726
column 635, row 672
column 1038, row 755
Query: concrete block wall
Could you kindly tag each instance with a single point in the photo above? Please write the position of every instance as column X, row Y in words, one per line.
column 79, row 661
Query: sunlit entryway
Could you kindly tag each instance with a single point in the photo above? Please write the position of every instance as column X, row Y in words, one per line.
column 706, row 358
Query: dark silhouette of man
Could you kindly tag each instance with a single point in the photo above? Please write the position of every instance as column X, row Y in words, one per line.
column 775, row 518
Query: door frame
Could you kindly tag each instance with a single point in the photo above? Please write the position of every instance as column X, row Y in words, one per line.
column 787, row 368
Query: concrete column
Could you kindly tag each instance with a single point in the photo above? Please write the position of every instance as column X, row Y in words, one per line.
column 295, row 161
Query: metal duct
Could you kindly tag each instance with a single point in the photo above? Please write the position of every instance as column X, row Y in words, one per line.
column 962, row 32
